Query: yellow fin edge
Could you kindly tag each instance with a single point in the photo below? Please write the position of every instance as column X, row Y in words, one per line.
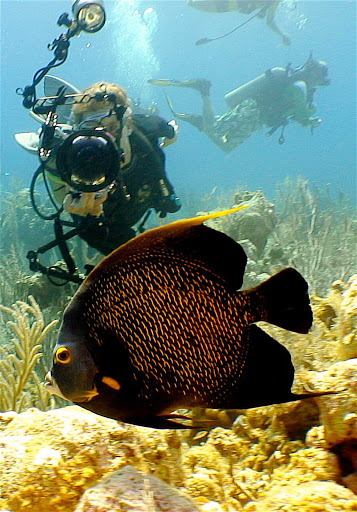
column 214, row 215
column 194, row 221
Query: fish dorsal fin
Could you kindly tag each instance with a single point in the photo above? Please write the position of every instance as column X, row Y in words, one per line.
column 190, row 240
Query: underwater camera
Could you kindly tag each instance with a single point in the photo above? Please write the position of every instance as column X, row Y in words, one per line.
column 88, row 160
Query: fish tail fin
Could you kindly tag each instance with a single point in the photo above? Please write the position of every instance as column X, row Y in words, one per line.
column 268, row 374
column 287, row 301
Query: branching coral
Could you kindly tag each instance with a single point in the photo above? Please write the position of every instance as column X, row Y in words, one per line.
column 305, row 229
column 252, row 226
column 20, row 224
column 17, row 370
column 316, row 233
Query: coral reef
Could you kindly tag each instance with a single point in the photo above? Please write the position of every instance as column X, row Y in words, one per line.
column 252, row 226
column 17, row 370
column 338, row 415
column 49, row 459
column 300, row 456
column 23, row 230
column 20, row 226
column 306, row 497
column 307, row 230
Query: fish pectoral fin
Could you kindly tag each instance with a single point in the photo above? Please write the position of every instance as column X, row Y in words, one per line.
column 317, row 394
column 161, row 422
column 168, row 421
column 201, row 425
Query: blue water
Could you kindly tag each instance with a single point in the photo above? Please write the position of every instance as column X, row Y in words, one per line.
column 134, row 46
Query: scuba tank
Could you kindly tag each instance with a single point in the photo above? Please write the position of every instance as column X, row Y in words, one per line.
column 257, row 86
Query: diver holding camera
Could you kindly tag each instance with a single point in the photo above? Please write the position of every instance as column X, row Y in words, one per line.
column 101, row 163
column 113, row 159
column 107, row 169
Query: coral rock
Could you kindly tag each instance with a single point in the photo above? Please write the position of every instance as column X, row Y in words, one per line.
column 338, row 413
column 348, row 321
column 129, row 489
column 48, row 459
column 306, row 497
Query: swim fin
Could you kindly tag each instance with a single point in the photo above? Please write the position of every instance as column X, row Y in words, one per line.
column 194, row 119
column 200, row 84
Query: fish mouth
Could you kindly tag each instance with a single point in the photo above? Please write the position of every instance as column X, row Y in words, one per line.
column 53, row 388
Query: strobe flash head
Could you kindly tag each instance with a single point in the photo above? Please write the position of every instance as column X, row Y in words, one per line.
column 90, row 14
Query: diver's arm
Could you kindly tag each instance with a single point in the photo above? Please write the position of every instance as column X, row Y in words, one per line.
column 169, row 202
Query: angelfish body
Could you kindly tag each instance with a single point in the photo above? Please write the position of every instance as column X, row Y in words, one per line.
column 159, row 325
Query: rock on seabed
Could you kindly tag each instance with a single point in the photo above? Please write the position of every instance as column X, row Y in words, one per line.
column 66, row 458
column 129, row 489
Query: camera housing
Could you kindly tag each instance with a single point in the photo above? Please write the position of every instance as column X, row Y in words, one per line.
column 88, row 160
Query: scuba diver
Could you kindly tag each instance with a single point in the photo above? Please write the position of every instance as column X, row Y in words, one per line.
column 105, row 164
column 99, row 162
column 272, row 99
column 264, row 9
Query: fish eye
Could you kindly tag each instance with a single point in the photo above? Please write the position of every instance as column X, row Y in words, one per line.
column 62, row 356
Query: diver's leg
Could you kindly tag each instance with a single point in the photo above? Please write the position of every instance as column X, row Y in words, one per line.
column 194, row 119
column 205, row 121
column 207, row 110
column 203, row 87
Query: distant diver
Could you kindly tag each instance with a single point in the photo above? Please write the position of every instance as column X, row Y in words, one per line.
column 272, row 99
column 264, row 9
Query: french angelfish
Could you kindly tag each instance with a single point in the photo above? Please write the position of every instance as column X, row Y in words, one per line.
column 159, row 325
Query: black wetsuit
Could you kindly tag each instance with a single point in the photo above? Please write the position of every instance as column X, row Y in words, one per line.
column 141, row 185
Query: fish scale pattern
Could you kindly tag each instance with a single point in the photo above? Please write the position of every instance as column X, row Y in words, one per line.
column 184, row 333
